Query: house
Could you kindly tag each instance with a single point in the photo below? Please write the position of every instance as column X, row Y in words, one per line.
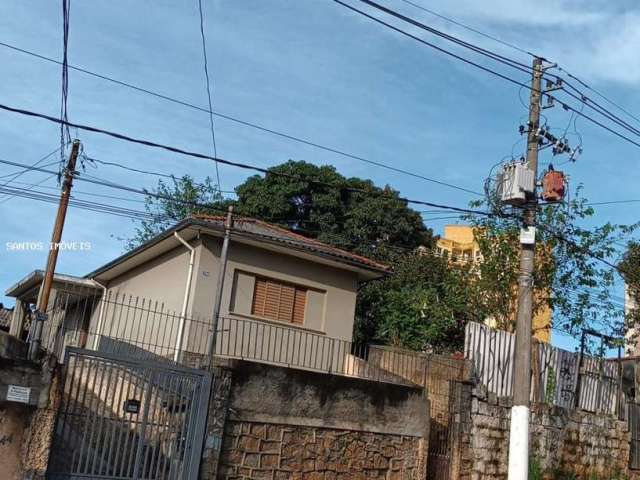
column 27, row 290
column 459, row 245
column 282, row 292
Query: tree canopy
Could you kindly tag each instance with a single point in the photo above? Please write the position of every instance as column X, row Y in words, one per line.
column 349, row 213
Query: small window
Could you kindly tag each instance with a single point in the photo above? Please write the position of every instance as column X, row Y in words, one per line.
column 280, row 301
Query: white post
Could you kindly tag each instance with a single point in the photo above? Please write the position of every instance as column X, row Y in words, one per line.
column 519, row 443
column 98, row 334
column 185, row 301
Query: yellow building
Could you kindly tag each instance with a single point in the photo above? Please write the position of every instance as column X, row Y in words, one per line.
column 459, row 245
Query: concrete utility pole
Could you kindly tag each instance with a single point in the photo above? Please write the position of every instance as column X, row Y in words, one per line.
column 519, row 434
column 224, row 253
column 56, row 236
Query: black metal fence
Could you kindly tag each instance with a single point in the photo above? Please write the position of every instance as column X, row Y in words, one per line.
column 145, row 329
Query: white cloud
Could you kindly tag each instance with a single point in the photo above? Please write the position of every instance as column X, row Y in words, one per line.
column 594, row 39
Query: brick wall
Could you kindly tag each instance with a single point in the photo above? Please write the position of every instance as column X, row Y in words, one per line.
column 260, row 451
column 562, row 441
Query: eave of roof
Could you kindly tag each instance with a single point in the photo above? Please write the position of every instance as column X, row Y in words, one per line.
column 297, row 242
column 35, row 277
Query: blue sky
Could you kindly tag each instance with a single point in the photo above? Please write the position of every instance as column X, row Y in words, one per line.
column 310, row 68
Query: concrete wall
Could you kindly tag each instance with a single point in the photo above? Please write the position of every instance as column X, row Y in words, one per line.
column 563, row 442
column 14, row 420
column 287, row 424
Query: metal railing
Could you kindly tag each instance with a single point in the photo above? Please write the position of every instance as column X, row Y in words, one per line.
column 136, row 327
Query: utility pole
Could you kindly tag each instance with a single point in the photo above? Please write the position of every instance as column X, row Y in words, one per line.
column 56, row 236
column 520, row 411
column 224, row 253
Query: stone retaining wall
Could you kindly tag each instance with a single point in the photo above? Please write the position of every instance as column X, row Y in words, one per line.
column 291, row 424
column 277, row 452
column 584, row 444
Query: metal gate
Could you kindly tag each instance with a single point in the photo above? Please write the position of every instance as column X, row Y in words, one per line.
column 128, row 419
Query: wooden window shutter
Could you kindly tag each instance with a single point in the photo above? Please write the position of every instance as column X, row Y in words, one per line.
column 279, row 301
column 299, row 306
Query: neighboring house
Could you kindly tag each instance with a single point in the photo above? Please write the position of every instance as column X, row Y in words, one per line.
column 27, row 290
column 458, row 244
column 274, row 277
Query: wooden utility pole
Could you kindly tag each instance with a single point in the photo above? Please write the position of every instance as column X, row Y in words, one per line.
column 520, row 412
column 56, row 236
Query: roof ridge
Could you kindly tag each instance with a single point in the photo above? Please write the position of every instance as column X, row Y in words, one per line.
column 294, row 236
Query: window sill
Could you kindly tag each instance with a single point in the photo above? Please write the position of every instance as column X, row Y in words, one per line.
column 276, row 323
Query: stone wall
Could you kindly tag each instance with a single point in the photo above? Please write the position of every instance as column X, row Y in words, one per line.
column 14, row 419
column 283, row 452
column 563, row 441
column 216, row 419
column 292, row 424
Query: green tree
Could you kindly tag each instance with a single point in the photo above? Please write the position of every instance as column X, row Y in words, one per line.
column 176, row 200
column 424, row 304
column 349, row 213
column 570, row 276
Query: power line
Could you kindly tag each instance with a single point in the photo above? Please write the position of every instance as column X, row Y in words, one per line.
column 471, row 29
column 505, row 60
column 588, row 87
column 256, row 126
column 486, row 69
column 206, row 74
column 246, row 166
column 147, row 172
column 93, row 194
column 28, row 168
column 29, row 187
column 65, row 136
column 458, row 41
column 83, row 204
column 500, row 58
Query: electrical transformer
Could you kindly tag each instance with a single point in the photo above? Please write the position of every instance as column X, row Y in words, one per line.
column 515, row 183
column 553, row 186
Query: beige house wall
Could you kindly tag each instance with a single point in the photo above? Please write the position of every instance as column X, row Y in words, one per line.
column 330, row 305
column 157, row 286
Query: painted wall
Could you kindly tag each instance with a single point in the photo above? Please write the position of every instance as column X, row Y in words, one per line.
column 150, row 311
column 330, row 303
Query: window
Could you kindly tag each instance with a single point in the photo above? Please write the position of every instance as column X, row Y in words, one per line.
column 280, row 301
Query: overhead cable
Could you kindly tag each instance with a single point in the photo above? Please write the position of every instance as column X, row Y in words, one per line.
column 246, row 166
column 239, row 121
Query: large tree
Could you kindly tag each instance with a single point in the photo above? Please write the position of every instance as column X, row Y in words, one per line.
column 319, row 202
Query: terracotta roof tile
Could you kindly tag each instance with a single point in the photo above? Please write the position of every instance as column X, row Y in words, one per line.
column 278, row 233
